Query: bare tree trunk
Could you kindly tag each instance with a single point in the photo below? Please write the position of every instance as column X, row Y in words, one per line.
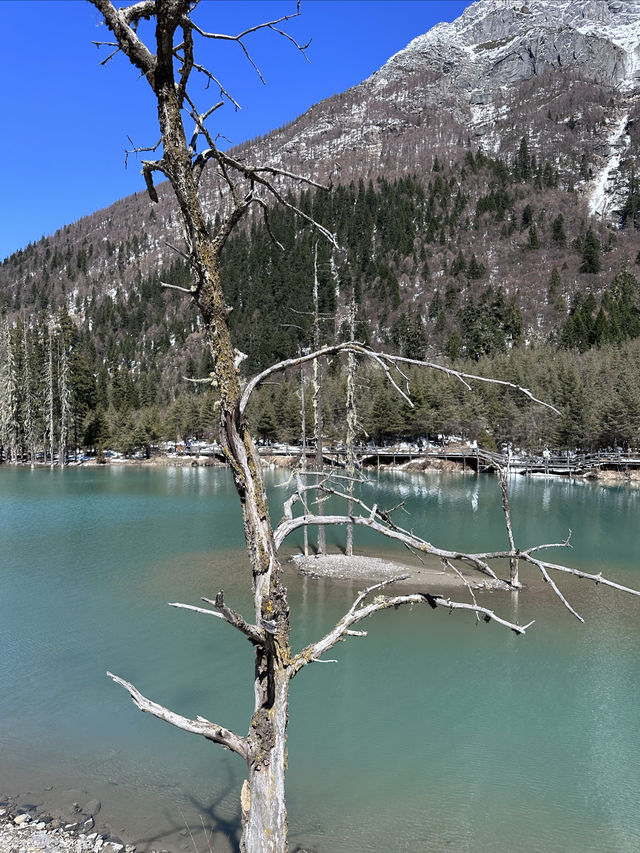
column 264, row 814
column 264, row 825
column 50, row 398
column 29, row 424
column 351, row 425
column 317, row 408
column 8, row 395
column 65, row 403
column 303, row 460
column 513, row 557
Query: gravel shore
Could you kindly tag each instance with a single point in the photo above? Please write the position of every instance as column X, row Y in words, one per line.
column 375, row 569
column 23, row 833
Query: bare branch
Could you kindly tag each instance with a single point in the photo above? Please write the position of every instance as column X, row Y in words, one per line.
column 187, row 60
column 458, row 374
column 267, row 222
column 200, row 122
column 272, row 25
column 196, row 609
column 177, row 250
column 457, row 571
column 213, row 79
column 256, row 175
column 137, row 11
column 112, row 54
column 147, row 170
column 578, row 573
column 357, row 613
column 188, row 290
column 119, row 21
column 207, row 380
column 244, row 33
column 226, row 614
column 234, row 618
column 478, row 561
column 199, row 726
column 136, row 149
column 383, row 359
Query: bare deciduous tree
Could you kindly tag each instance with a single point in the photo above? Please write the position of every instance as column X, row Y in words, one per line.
column 168, row 62
column 8, row 395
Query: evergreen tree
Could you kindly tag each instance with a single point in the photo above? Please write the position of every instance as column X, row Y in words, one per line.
column 590, row 253
column 522, row 164
column 458, row 265
column 557, row 231
column 630, row 213
column 475, row 270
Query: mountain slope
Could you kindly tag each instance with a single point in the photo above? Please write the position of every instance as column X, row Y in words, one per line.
column 510, row 117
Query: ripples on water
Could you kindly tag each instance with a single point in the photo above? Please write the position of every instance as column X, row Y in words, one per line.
column 430, row 734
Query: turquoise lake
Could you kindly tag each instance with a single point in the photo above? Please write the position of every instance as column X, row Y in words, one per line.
column 431, row 734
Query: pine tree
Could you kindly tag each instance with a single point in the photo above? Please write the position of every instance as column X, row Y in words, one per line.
column 590, row 254
column 475, row 270
column 630, row 213
column 557, row 231
column 522, row 164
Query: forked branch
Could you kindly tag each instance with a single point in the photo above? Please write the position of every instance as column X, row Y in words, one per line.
column 199, row 726
column 381, row 522
column 386, row 361
column 222, row 611
column 359, row 611
column 374, row 522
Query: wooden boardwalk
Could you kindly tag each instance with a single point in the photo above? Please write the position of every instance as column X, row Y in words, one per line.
column 482, row 461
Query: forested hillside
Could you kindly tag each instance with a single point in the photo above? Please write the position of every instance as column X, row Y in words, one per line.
column 484, row 262
column 488, row 211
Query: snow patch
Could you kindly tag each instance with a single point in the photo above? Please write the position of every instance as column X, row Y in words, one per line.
column 618, row 143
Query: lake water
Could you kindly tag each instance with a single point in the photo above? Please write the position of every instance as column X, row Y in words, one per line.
column 431, row 734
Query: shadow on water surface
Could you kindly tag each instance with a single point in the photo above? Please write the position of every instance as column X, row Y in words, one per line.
column 211, row 833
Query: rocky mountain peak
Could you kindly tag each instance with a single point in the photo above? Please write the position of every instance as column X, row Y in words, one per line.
column 496, row 43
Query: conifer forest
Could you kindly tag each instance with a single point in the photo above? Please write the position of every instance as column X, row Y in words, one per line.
column 484, row 264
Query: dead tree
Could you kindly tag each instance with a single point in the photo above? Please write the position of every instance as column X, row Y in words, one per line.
column 8, row 395
column 350, row 460
column 65, row 402
column 50, row 399
column 318, row 411
column 168, row 62
column 29, row 414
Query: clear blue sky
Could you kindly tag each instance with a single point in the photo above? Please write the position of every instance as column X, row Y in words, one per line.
column 66, row 119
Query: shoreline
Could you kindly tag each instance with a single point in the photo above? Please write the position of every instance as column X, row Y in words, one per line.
column 424, row 465
column 30, row 828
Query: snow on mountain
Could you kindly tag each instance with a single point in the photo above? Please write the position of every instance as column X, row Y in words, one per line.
column 604, row 189
column 498, row 42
